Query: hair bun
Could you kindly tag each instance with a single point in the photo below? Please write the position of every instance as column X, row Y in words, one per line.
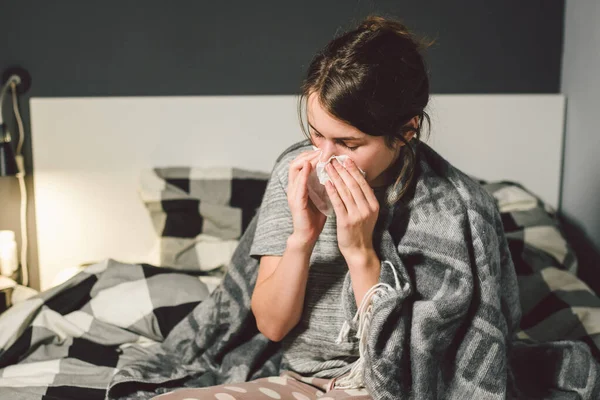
column 376, row 23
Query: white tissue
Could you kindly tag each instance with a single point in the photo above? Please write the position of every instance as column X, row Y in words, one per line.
column 316, row 184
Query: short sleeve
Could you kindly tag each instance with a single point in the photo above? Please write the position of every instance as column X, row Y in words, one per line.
column 274, row 224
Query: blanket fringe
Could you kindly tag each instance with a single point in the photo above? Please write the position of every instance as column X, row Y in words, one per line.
column 355, row 378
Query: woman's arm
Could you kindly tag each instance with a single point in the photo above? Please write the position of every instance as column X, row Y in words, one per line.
column 278, row 297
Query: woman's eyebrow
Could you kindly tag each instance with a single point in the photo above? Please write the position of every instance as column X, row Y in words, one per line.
column 341, row 138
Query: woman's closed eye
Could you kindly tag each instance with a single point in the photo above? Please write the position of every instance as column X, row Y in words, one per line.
column 348, row 147
column 340, row 142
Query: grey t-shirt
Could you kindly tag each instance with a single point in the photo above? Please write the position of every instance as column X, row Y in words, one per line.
column 309, row 348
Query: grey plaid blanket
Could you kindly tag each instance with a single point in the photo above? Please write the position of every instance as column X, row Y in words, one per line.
column 446, row 329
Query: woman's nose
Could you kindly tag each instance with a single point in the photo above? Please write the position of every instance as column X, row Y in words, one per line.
column 327, row 150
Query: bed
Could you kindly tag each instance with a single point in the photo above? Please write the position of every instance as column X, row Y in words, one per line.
column 155, row 218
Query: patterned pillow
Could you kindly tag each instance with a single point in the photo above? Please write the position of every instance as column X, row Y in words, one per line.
column 555, row 303
column 199, row 214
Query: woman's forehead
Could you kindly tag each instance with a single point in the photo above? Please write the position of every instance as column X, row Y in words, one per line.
column 326, row 124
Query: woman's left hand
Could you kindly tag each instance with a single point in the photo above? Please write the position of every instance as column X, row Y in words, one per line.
column 356, row 209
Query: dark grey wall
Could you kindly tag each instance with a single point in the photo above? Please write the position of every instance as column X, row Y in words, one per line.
column 138, row 48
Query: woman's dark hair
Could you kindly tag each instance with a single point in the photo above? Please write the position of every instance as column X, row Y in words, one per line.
column 374, row 78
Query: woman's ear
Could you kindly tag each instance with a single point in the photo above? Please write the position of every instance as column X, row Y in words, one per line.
column 414, row 122
column 409, row 135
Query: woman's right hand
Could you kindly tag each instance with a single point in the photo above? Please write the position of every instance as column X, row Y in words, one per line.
column 308, row 221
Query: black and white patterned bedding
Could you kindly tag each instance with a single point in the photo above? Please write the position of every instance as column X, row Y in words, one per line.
column 67, row 342
column 555, row 303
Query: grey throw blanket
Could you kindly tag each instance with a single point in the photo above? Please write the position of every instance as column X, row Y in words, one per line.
column 446, row 329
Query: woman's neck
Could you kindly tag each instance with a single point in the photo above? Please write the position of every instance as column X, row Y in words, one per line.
column 383, row 180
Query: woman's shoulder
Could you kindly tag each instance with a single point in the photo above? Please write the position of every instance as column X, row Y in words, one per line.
column 291, row 152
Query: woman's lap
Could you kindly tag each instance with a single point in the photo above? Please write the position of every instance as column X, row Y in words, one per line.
column 288, row 386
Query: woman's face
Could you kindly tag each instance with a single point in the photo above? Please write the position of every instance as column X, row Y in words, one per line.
column 335, row 137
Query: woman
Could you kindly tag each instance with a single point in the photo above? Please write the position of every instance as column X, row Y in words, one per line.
column 365, row 98
column 408, row 290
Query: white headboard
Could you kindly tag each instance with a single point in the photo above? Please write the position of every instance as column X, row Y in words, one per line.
column 89, row 152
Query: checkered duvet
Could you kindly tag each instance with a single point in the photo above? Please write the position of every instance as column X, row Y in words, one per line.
column 555, row 303
column 68, row 342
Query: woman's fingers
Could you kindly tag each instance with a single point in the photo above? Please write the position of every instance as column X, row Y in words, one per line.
column 336, row 201
column 367, row 192
column 301, row 186
column 341, row 188
column 297, row 163
column 353, row 187
column 295, row 167
column 298, row 169
column 307, row 155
